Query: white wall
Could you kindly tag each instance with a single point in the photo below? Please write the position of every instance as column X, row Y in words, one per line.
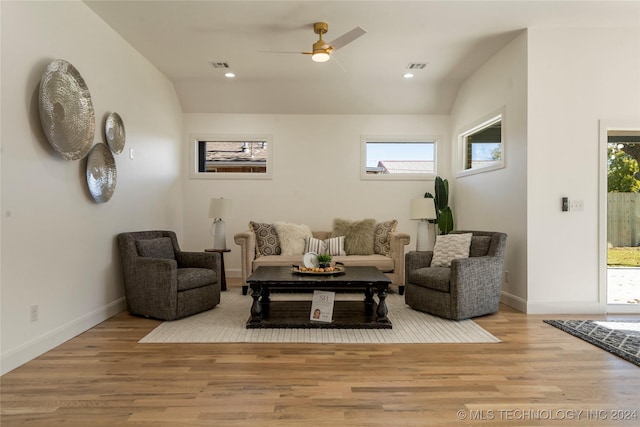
column 316, row 174
column 497, row 200
column 58, row 246
column 577, row 77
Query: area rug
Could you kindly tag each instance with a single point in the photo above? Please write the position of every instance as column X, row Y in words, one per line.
column 226, row 323
column 619, row 337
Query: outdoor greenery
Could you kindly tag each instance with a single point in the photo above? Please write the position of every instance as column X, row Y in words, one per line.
column 621, row 171
column 624, row 257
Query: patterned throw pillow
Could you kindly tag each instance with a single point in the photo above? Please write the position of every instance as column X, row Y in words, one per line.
column 315, row 245
column 160, row 247
column 449, row 247
column 335, row 246
column 381, row 240
column 267, row 242
column 292, row 237
column 358, row 235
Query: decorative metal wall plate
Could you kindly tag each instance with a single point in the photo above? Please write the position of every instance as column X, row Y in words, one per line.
column 114, row 132
column 66, row 111
column 101, row 173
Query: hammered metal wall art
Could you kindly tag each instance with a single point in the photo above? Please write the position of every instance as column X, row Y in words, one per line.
column 101, row 173
column 114, row 132
column 66, row 110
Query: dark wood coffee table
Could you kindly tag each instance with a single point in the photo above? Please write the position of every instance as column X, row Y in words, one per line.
column 266, row 313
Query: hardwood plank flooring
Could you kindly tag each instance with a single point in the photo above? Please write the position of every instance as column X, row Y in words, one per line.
column 537, row 375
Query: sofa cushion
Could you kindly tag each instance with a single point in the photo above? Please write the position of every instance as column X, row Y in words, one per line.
column 191, row 278
column 381, row 239
column 480, row 246
column 436, row 278
column 267, row 242
column 292, row 237
column 358, row 235
column 449, row 247
column 160, row 247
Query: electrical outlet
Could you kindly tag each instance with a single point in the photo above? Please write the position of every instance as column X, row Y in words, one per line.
column 33, row 311
column 576, row 205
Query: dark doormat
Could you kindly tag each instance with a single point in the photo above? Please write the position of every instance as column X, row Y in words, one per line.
column 619, row 337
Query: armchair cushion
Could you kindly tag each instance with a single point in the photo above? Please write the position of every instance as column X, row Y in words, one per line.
column 449, row 247
column 160, row 247
column 479, row 246
column 436, row 278
column 192, row 278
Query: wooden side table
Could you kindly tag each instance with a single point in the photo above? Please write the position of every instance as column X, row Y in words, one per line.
column 223, row 276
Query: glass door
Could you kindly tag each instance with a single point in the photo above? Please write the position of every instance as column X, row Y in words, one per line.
column 623, row 221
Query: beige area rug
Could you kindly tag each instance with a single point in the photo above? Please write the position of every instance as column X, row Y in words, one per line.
column 226, row 323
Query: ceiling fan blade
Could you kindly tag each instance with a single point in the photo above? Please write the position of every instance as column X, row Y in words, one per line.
column 347, row 38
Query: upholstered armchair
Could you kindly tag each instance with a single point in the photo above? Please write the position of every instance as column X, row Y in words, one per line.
column 470, row 287
column 161, row 281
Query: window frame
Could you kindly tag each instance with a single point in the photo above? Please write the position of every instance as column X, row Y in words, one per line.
column 399, row 139
column 195, row 139
column 475, row 127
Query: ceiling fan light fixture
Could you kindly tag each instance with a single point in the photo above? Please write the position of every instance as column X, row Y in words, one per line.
column 320, row 56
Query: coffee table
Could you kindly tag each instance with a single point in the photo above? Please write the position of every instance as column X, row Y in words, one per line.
column 367, row 313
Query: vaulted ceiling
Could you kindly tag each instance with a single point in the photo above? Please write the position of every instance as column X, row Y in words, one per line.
column 454, row 38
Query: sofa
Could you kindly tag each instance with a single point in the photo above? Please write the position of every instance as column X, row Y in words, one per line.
column 351, row 243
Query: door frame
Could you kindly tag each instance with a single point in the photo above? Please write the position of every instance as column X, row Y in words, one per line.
column 605, row 126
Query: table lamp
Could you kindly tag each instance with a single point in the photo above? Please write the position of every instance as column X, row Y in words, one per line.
column 423, row 210
column 218, row 210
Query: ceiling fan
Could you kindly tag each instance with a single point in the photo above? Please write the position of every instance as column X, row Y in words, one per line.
column 321, row 50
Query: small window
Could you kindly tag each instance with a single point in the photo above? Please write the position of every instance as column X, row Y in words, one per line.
column 481, row 147
column 231, row 157
column 399, row 158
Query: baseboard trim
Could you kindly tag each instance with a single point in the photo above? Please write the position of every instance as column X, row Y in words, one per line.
column 566, row 307
column 513, row 301
column 40, row 345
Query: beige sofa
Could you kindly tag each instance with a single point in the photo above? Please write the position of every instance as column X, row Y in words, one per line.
column 392, row 265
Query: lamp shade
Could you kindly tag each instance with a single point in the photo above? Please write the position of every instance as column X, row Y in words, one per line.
column 422, row 209
column 220, row 208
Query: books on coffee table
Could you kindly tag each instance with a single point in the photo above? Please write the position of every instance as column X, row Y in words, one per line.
column 322, row 306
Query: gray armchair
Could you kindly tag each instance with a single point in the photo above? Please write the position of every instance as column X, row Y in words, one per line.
column 469, row 288
column 161, row 281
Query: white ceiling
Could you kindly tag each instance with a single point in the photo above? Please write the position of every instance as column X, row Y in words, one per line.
column 181, row 38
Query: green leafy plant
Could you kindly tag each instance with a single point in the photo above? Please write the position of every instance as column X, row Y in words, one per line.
column 444, row 215
column 324, row 258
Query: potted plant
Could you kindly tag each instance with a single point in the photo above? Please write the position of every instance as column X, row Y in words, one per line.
column 324, row 260
column 444, row 215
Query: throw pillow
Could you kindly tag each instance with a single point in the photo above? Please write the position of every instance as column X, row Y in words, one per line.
column 381, row 240
column 358, row 235
column 335, row 246
column 267, row 242
column 449, row 247
column 315, row 245
column 292, row 237
column 160, row 247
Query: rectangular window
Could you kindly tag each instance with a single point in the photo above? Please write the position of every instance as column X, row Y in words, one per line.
column 481, row 146
column 231, row 157
column 400, row 158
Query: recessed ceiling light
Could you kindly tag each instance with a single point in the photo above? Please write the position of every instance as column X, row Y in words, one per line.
column 408, row 75
column 229, row 75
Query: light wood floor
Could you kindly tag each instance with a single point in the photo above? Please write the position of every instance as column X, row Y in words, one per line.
column 537, row 375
